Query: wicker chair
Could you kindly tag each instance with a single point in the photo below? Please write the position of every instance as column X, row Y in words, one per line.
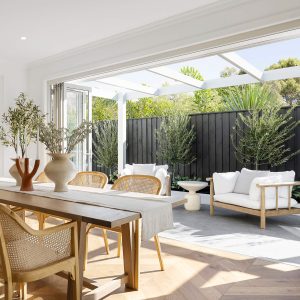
column 29, row 255
column 42, row 178
column 139, row 184
column 90, row 179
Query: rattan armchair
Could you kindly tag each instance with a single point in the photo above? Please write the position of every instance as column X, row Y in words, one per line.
column 29, row 255
column 139, row 184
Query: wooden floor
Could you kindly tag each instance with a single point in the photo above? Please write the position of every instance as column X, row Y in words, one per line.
column 191, row 273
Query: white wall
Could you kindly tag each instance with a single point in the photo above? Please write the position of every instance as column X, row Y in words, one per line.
column 13, row 80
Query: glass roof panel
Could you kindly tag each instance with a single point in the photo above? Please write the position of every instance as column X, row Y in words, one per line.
column 263, row 56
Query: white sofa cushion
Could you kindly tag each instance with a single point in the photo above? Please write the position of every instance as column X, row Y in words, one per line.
column 270, row 193
column 245, row 178
column 244, row 201
column 162, row 174
column 225, row 182
column 128, row 170
column 286, row 176
column 144, row 169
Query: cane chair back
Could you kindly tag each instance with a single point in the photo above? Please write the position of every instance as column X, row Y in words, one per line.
column 138, row 183
column 90, row 179
column 42, row 178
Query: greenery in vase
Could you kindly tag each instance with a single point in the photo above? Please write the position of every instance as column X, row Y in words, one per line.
column 63, row 140
column 21, row 122
column 175, row 138
column 262, row 136
column 105, row 144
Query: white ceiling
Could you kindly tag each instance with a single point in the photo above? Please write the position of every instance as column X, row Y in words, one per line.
column 59, row 25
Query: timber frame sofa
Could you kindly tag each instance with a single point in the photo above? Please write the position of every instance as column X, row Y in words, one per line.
column 259, row 193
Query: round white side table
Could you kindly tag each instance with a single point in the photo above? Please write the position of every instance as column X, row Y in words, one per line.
column 193, row 200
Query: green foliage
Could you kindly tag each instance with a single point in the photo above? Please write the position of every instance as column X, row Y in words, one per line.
column 289, row 89
column 105, row 144
column 63, row 140
column 175, row 139
column 262, row 137
column 21, row 121
column 296, row 193
column 251, row 96
column 204, row 100
column 104, row 109
column 229, row 71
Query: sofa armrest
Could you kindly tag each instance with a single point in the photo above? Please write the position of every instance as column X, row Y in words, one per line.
column 280, row 184
column 168, row 185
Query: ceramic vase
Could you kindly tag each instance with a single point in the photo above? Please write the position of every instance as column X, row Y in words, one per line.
column 13, row 171
column 60, row 170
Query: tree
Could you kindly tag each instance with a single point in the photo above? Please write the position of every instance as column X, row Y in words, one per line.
column 288, row 88
column 204, row 100
column 262, row 137
column 229, row 71
column 175, row 138
column 105, row 144
column 104, row 109
column 251, row 96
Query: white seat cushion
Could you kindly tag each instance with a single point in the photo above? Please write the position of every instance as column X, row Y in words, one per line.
column 286, row 176
column 162, row 174
column 244, row 201
column 244, row 180
column 270, row 192
column 144, row 169
column 225, row 182
column 165, row 167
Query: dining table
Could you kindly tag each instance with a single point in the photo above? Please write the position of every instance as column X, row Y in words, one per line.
column 138, row 215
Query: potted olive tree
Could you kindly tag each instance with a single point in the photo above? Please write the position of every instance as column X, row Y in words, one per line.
column 19, row 128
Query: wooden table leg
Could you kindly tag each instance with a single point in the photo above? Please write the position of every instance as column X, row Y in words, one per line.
column 137, row 246
column 82, row 226
column 127, row 238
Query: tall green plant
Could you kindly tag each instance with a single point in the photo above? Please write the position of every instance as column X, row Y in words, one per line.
column 20, row 123
column 262, row 136
column 251, row 97
column 175, row 138
column 105, row 144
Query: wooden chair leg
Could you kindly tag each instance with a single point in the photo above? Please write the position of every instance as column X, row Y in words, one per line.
column 119, row 244
column 23, row 290
column 104, row 234
column 86, row 252
column 158, row 249
column 41, row 220
column 8, row 288
column 77, row 291
column 263, row 221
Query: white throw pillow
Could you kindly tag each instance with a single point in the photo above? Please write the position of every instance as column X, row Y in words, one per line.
column 128, row 170
column 270, row 193
column 286, row 176
column 244, row 180
column 165, row 167
column 144, row 169
column 224, row 182
column 161, row 174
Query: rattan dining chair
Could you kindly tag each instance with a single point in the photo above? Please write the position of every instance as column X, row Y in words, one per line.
column 29, row 255
column 139, row 184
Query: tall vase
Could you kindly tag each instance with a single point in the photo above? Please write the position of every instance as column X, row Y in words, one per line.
column 60, row 170
column 13, row 171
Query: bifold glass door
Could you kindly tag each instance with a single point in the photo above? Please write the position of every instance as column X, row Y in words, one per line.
column 71, row 108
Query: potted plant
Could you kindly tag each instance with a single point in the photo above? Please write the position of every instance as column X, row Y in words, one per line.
column 19, row 127
column 60, row 142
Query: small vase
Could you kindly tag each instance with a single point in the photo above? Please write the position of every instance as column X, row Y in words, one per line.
column 13, row 171
column 60, row 170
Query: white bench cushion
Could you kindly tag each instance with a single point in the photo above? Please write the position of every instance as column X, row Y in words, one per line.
column 244, row 180
column 286, row 176
column 225, row 182
column 244, row 201
column 144, row 169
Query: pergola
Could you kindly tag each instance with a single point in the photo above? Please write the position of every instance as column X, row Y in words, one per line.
column 123, row 90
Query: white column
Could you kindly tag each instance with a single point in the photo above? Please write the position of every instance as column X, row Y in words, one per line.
column 121, row 132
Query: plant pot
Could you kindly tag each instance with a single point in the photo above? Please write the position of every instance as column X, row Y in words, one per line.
column 60, row 170
column 13, row 171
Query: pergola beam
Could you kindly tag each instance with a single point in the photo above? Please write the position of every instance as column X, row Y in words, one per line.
column 243, row 64
column 175, row 75
column 128, row 85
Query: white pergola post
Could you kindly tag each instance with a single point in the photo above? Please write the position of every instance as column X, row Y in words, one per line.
column 121, row 131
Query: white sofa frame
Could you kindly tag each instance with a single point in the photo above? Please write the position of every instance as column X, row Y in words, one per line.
column 263, row 213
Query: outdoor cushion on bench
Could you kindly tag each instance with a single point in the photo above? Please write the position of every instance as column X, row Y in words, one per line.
column 244, row 201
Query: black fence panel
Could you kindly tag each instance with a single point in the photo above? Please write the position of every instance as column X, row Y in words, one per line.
column 212, row 148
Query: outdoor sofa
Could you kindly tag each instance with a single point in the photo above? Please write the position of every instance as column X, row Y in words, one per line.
column 260, row 193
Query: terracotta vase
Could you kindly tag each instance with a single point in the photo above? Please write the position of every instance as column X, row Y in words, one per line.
column 13, row 171
column 60, row 170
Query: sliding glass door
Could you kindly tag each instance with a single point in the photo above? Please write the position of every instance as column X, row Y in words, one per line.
column 71, row 104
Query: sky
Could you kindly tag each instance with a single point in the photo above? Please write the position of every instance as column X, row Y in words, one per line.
column 210, row 67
